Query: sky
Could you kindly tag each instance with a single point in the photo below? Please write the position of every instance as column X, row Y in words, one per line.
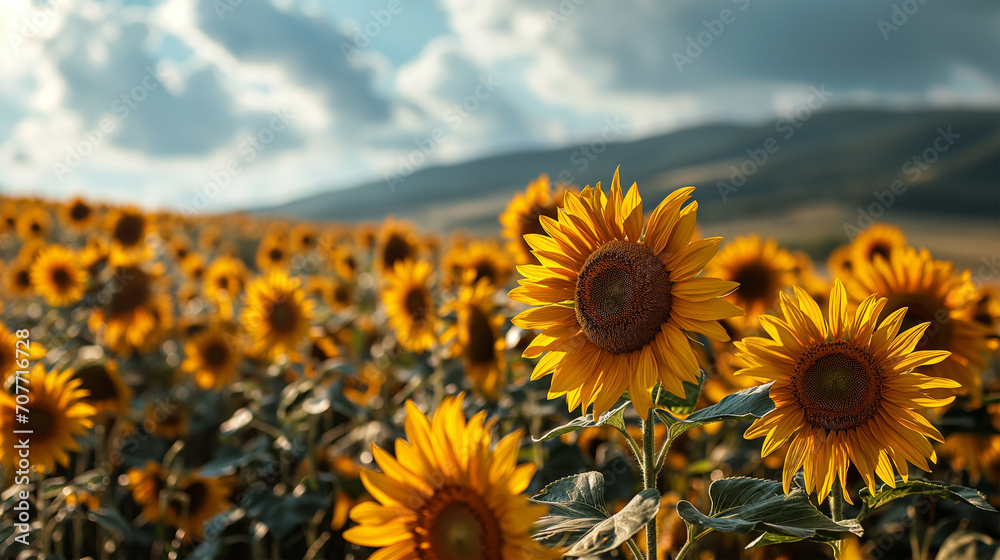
column 247, row 103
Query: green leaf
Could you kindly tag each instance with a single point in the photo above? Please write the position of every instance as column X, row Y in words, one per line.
column 580, row 495
column 920, row 486
column 111, row 520
column 673, row 403
column 614, row 531
column 614, row 417
column 741, row 505
column 747, row 404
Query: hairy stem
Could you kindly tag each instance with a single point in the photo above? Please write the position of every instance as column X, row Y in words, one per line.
column 649, row 478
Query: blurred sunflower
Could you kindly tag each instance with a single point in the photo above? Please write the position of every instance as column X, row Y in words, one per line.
column 410, row 305
column 303, row 238
column 932, row 292
column 8, row 354
column 134, row 311
column 223, row 282
column 58, row 276
column 8, row 217
column 877, row 240
column 17, row 278
column 106, row 390
column 979, row 454
column 272, row 252
column 397, row 242
column 145, row 483
column 985, row 310
column 844, row 391
column 760, row 267
column 322, row 347
column 127, row 228
column 345, row 263
column 523, row 213
column 193, row 267
column 447, row 494
column 84, row 499
column 614, row 303
column 169, row 421
column 58, row 415
column 34, row 224
column 95, row 254
column 276, row 314
column 470, row 262
column 195, row 500
column 212, row 356
column 77, row 215
column 363, row 387
column 476, row 336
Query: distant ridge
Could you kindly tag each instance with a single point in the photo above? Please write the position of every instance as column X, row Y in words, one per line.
column 841, row 156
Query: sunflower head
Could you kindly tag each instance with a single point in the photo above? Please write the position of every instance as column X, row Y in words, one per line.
column 468, row 263
column 273, row 252
column 476, row 336
column 844, row 390
column 615, row 298
column 410, row 305
column 397, row 242
column 760, row 267
column 77, row 215
column 127, row 227
column 878, row 240
column 17, row 278
column 57, row 417
column 58, row 276
column 212, row 357
column 34, row 224
column 106, row 389
column 523, row 216
column 133, row 313
column 276, row 314
column 449, row 493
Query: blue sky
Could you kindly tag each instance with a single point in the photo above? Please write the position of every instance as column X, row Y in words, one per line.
column 251, row 102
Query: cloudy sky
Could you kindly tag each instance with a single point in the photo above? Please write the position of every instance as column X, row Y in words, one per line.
column 254, row 102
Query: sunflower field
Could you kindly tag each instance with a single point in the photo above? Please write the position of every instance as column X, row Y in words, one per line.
column 601, row 381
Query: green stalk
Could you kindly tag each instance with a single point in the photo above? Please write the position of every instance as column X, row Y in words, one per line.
column 837, row 502
column 649, row 478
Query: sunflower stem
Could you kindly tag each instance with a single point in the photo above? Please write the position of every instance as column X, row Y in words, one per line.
column 837, row 502
column 636, row 551
column 649, row 478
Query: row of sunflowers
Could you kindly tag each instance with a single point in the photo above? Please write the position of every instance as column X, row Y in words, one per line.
column 239, row 387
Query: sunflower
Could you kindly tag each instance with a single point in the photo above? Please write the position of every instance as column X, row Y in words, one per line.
column 58, row 276
column 345, row 263
column 322, row 347
column 467, row 263
column 105, row 387
column 447, row 494
column 57, row 415
column 34, row 224
column 476, row 336
column 276, row 314
column 363, row 388
column 979, row 454
column 985, row 310
column 94, row 256
column 844, row 390
column 170, row 421
column 212, row 357
column 761, row 268
column 614, row 303
column 127, row 228
column 272, row 252
column 133, row 314
column 932, row 292
column 17, row 278
column 145, row 483
column 194, row 266
column 410, row 305
column 190, row 501
column 397, row 242
column 9, row 211
column 9, row 355
column 77, row 215
column 303, row 238
column 523, row 216
column 877, row 240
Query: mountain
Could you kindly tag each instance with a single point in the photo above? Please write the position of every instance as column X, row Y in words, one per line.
column 942, row 162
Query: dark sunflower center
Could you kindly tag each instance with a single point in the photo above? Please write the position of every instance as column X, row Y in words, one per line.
column 79, row 212
column 216, row 353
column 61, row 278
column 40, row 422
column 622, row 296
column 481, row 337
column 224, row 282
column 36, row 227
column 133, row 291
column 23, row 279
column 837, row 385
column 351, row 264
column 308, row 240
column 275, row 255
column 284, row 317
column 879, row 248
column 197, row 494
column 342, row 293
column 531, row 221
column 922, row 308
column 318, row 353
column 485, row 269
column 456, row 523
column 417, row 304
column 397, row 249
column 756, row 281
column 129, row 229
column 95, row 378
